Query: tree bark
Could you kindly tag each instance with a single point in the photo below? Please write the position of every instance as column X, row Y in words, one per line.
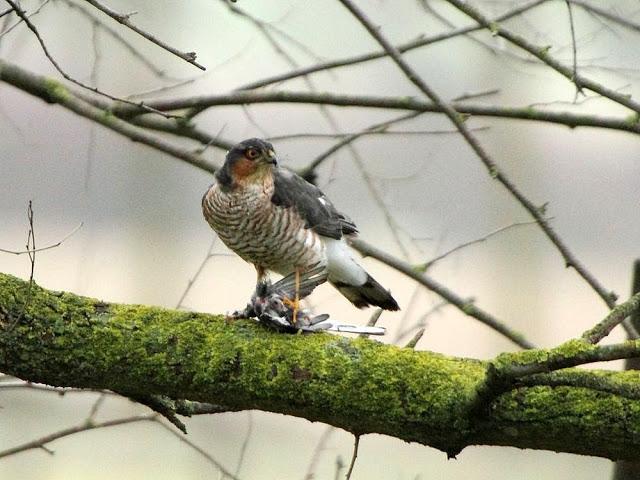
column 356, row 384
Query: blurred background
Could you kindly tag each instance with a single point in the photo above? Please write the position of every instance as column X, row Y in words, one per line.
column 143, row 236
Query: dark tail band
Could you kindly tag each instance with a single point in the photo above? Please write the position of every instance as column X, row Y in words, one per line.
column 370, row 293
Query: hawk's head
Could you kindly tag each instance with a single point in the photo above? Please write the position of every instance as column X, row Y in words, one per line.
column 249, row 161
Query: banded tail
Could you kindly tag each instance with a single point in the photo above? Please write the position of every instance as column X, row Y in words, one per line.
column 369, row 293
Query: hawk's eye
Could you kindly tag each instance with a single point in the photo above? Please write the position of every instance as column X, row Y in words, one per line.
column 252, row 153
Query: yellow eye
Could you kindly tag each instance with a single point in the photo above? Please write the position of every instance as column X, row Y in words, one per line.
column 252, row 153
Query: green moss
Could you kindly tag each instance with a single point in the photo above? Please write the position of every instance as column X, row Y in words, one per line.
column 632, row 120
column 544, row 51
column 572, row 348
column 56, row 91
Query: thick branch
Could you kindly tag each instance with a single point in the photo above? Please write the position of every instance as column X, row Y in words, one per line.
column 358, row 385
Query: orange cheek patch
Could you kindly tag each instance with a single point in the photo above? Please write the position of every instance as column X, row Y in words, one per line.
column 243, row 168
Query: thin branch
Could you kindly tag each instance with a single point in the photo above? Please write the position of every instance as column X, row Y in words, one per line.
column 465, row 306
column 472, row 95
column 31, row 14
column 425, row 266
column 96, row 406
column 196, row 275
column 542, row 54
column 83, row 427
column 62, row 72
column 421, row 323
column 349, row 61
column 354, row 455
column 265, row 28
column 574, row 50
column 123, row 18
column 309, row 173
column 118, row 38
column 200, row 450
column 245, row 442
column 48, row 247
column 364, row 133
column 416, row 338
column 31, row 243
column 624, row 22
column 615, row 318
column 315, row 456
column 348, row 139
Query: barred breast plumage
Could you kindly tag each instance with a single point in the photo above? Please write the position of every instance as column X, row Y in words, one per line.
column 248, row 222
column 276, row 220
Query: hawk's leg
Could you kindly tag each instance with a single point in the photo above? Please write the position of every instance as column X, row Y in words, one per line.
column 262, row 275
column 295, row 303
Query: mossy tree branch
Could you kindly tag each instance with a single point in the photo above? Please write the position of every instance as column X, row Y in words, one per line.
column 359, row 385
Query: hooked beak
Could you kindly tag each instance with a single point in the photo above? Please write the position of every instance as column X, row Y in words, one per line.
column 271, row 157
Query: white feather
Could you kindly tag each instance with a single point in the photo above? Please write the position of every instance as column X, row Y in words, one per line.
column 341, row 265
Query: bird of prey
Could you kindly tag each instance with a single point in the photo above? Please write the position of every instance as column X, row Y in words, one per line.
column 276, row 220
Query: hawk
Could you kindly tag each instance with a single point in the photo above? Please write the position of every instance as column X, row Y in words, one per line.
column 273, row 218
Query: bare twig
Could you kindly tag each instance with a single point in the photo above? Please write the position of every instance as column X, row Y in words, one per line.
column 96, row 406
column 348, row 139
column 622, row 21
column 265, row 28
column 363, row 133
column 472, row 95
column 420, row 42
column 83, row 427
column 48, row 247
column 123, row 18
column 31, row 244
column 63, row 72
column 356, row 444
column 425, row 266
column 245, row 442
column 615, row 318
column 315, row 456
column 118, row 38
column 200, row 450
column 193, row 279
column 416, row 338
column 574, row 51
column 542, row 54
column 31, row 14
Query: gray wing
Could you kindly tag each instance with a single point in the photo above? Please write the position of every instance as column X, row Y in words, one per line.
column 317, row 211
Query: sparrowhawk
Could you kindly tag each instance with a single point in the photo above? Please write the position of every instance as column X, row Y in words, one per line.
column 276, row 220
